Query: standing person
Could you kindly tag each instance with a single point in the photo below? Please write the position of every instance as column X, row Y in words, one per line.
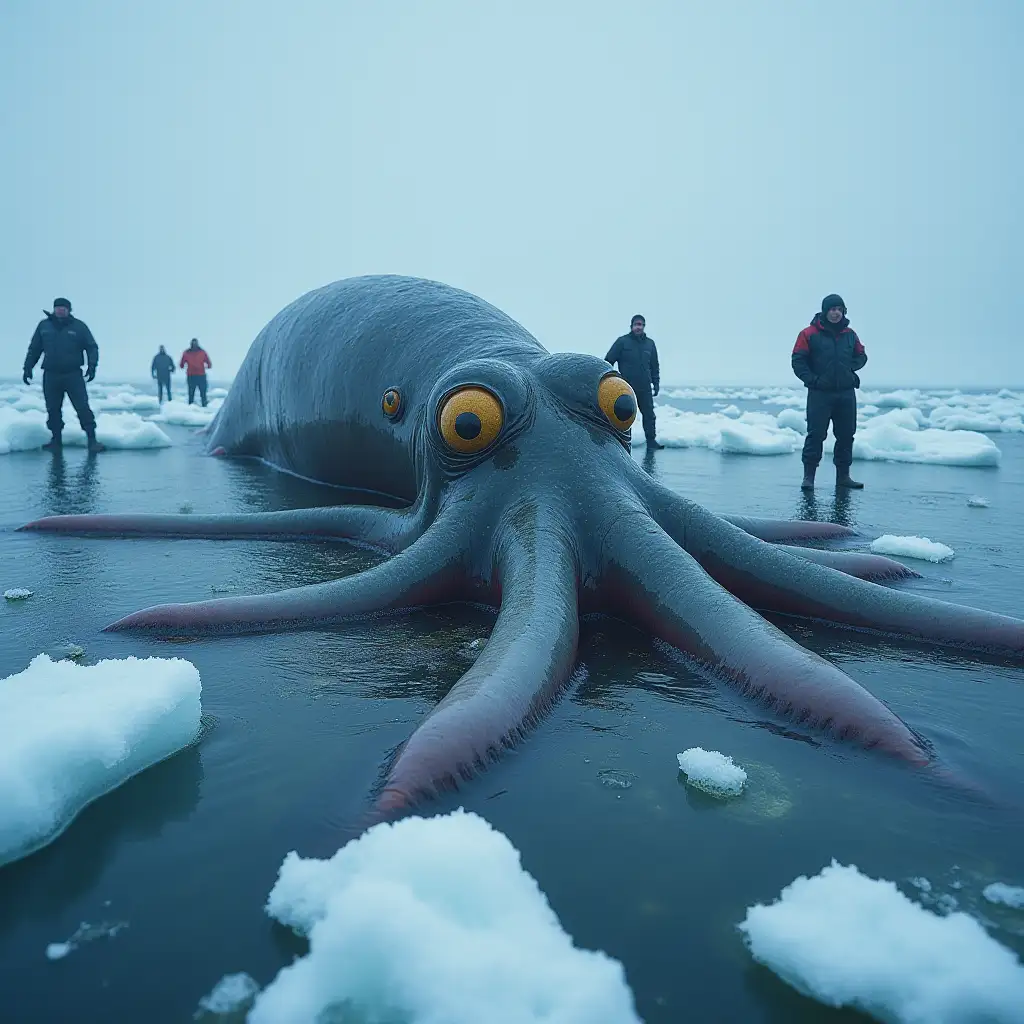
column 195, row 361
column 826, row 357
column 65, row 343
column 162, row 368
column 637, row 357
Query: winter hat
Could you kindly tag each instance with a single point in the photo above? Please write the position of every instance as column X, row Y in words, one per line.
column 833, row 300
column 62, row 302
column 639, row 317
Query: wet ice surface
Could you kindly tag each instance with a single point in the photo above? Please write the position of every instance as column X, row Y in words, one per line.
column 654, row 874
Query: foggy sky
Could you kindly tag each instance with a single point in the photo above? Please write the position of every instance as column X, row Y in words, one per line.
column 187, row 169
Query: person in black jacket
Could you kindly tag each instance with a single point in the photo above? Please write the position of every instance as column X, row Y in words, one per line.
column 161, row 368
column 637, row 357
column 64, row 342
column 826, row 357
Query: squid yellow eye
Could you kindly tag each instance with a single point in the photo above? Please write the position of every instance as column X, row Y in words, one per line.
column 470, row 420
column 617, row 402
column 391, row 403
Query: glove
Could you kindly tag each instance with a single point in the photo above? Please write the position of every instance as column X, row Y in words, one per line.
column 656, row 390
column 90, row 373
column 27, row 376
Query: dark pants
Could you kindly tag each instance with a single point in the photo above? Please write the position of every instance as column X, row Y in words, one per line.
column 197, row 381
column 645, row 406
column 163, row 383
column 72, row 384
column 839, row 407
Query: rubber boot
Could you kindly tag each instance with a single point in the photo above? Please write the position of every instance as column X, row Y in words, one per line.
column 94, row 445
column 808, row 481
column 843, row 479
column 654, row 445
column 55, row 444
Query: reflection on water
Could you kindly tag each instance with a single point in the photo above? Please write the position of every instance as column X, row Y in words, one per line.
column 188, row 851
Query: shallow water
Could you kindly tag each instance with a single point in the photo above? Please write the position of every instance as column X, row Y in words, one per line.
column 632, row 862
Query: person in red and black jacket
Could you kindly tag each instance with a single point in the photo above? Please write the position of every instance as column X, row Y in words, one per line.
column 826, row 357
column 195, row 361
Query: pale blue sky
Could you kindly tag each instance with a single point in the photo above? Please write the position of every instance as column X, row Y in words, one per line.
column 189, row 168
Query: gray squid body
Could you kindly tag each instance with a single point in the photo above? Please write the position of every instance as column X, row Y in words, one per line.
column 498, row 472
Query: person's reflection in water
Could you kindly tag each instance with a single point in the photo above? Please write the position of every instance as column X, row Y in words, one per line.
column 839, row 510
column 75, row 498
column 648, row 463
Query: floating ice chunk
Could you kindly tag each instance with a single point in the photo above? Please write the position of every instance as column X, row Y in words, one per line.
column 121, row 430
column 85, row 933
column 751, row 434
column 22, row 431
column 848, row 940
column 912, row 547
column 182, row 414
column 69, row 734
column 732, row 411
column 712, row 772
column 1008, row 895
column 921, row 883
column 896, row 436
column 976, row 501
column 791, row 419
column 17, row 594
column 230, row 994
column 433, row 919
column 126, row 401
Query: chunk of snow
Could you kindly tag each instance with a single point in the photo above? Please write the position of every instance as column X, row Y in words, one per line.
column 25, row 431
column 896, row 436
column 792, row 420
column 182, row 414
column 750, row 434
column 921, row 883
column 976, row 501
column 1008, row 895
column 848, row 940
column 230, row 994
column 84, row 933
column 433, row 919
column 712, row 772
column 71, row 733
column 17, row 594
column 912, row 547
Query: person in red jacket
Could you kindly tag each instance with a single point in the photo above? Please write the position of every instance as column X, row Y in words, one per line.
column 826, row 357
column 195, row 363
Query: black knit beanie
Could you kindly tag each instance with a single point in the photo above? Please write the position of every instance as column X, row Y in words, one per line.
column 833, row 300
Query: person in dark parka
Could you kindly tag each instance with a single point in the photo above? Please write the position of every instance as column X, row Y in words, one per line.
column 826, row 357
column 637, row 357
column 161, row 368
column 65, row 343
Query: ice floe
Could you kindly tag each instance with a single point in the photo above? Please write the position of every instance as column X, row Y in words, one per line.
column 433, row 919
column 712, row 772
column 17, row 594
column 1007, row 895
column 848, row 940
column 71, row 733
column 84, row 933
column 233, row 993
column 912, row 547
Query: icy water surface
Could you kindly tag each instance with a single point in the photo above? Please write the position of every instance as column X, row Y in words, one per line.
column 632, row 861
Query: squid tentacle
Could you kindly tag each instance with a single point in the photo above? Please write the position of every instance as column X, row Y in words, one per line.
column 876, row 568
column 782, row 530
column 687, row 609
column 524, row 666
column 770, row 578
column 388, row 529
column 429, row 571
